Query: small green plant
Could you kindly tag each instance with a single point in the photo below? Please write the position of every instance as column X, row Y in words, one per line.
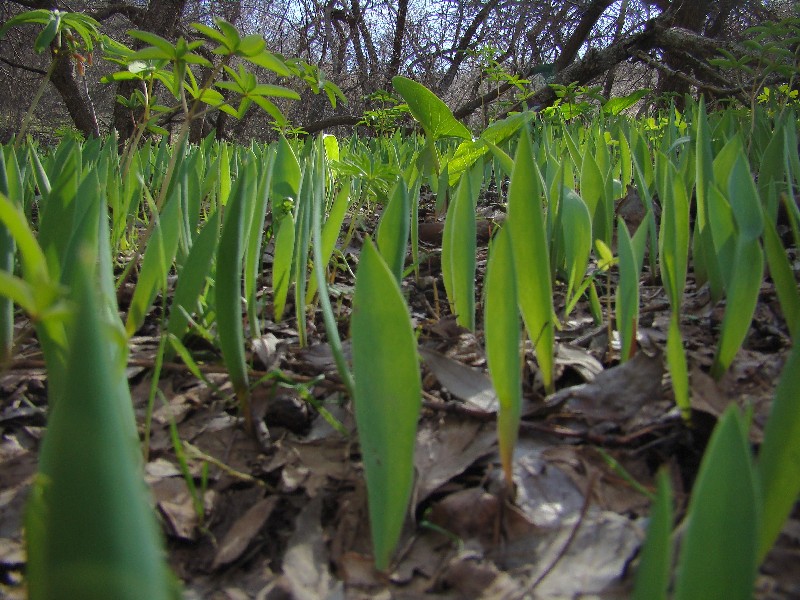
column 388, row 394
column 385, row 118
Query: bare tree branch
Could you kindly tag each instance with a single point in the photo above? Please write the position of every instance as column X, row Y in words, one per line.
column 17, row 65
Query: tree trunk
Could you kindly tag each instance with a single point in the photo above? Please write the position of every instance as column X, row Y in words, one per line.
column 75, row 98
column 397, row 42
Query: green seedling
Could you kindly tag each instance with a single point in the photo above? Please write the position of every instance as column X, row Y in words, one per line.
column 530, row 249
column 458, row 254
column 388, row 394
column 502, row 332
column 228, row 291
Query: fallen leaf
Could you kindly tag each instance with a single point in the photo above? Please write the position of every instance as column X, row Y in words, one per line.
column 468, row 384
column 242, row 532
column 616, row 394
column 447, row 447
column 306, row 563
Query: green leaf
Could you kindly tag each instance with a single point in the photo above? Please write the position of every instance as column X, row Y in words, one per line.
column 744, row 200
column 614, row 106
column 433, row 114
column 678, row 369
column 653, row 574
column 192, row 277
column 741, row 303
column 388, row 398
column 228, row 289
column 330, row 233
column 780, row 270
column 393, row 229
column 48, row 34
column 282, row 265
column 576, row 226
column 724, row 513
column 627, row 304
column 502, row 333
column 458, row 253
column 723, row 233
column 779, row 459
column 674, row 237
column 156, row 263
column 167, row 49
column 105, row 543
column 286, row 175
column 270, row 62
column 530, row 246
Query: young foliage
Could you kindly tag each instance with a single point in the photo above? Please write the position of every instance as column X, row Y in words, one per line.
column 393, row 229
column 458, row 254
column 228, row 290
column 502, row 333
column 107, row 543
column 531, row 253
column 388, row 398
column 433, row 115
column 726, row 472
column 778, row 465
column 653, row 575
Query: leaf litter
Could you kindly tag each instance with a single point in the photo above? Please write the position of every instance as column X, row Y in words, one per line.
column 290, row 520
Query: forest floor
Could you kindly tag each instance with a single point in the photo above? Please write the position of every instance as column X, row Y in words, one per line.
column 287, row 518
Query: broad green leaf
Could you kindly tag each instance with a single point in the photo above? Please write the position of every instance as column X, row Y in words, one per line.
column 331, row 147
column 436, row 119
column 706, row 265
column 723, row 233
column 224, row 174
column 17, row 291
column 529, row 242
column 591, row 190
column 772, row 172
column 329, row 318
column 724, row 512
column 724, row 161
column 192, row 277
column 330, row 233
column 106, row 543
column 286, row 175
column 388, row 398
column 627, row 304
column 674, row 237
column 502, row 333
column 576, row 226
column 259, row 205
column 458, row 254
column 744, row 201
column 470, row 151
column 34, row 263
column 740, row 304
column 782, row 275
column 779, row 459
column 228, row 290
column 282, row 265
column 57, row 210
column 156, row 263
column 614, row 106
column 302, row 240
column 393, row 229
column 48, row 34
column 655, row 564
